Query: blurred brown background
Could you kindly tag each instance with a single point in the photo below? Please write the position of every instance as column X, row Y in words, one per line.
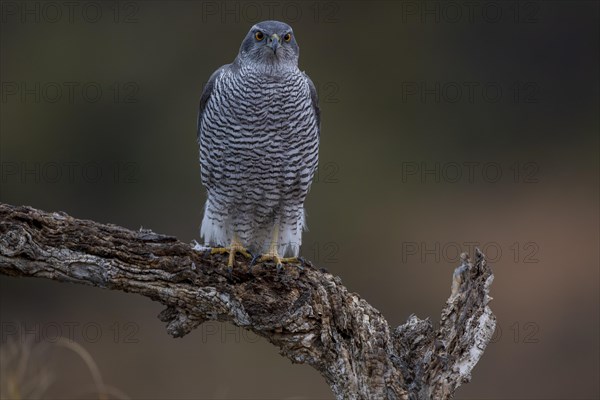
column 446, row 125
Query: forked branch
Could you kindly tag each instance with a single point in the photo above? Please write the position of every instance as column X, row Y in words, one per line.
column 306, row 312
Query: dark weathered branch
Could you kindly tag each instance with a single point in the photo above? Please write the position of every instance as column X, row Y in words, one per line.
column 307, row 313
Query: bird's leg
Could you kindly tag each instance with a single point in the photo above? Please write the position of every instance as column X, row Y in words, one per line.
column 235, row 247
column 273, row 253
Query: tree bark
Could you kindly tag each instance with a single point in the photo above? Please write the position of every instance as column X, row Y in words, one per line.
column 304, row 311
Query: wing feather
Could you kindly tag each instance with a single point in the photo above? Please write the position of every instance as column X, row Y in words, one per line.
column 315, row 102
column 206, row 93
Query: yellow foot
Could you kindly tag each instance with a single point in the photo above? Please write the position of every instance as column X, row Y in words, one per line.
column 273, row 253
column 235, row 247
column 274, row 256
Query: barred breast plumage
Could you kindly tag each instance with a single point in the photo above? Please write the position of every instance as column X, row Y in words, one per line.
column 259, row 138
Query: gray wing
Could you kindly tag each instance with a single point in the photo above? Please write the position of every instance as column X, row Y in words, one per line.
column 315, row 102
column 209, row 156
column 311, row 158
column 208, row 88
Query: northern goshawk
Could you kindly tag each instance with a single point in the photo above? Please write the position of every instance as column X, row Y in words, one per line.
column 258, row 130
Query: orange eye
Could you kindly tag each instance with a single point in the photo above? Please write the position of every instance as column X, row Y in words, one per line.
column 287, row 37
column 259, row 35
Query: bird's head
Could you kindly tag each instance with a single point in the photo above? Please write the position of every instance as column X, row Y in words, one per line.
column 271, row 43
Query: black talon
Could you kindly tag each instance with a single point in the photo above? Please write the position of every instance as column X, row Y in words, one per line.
column 279, row 267
column 253, row 261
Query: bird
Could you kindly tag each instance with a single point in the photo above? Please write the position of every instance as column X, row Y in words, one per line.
column 258, row 131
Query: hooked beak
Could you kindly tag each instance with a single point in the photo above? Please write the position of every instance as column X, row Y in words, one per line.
column 274, row 42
